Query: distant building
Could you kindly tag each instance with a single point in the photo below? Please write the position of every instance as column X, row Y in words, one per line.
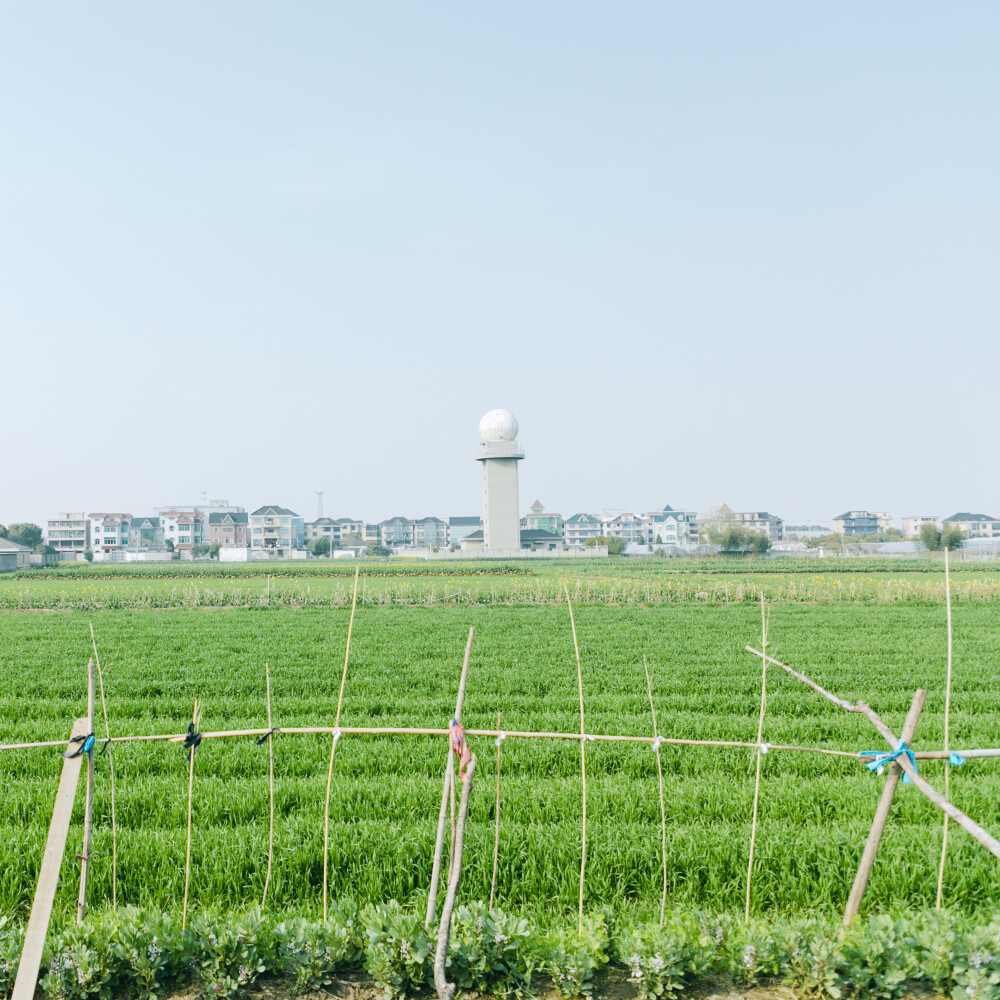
column 322, row 527
column 580, row 528
column 532, row 540
column 668, row 526
column 145, row 533
column 912, row 525
column 862, row 522
column 228, row 530
column 626, row 526
column 109, row 532
column 345, row 527
column 13, row 556
column 69, row 533
column 396, row 532
column 807, row 531
column 185, row 528
column 537, row 520
column 759, row 521
column 430, row 533
column 277, row 528
column 462, row 527
column 974, row 525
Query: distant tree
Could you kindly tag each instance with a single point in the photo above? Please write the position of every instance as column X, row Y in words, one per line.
column 169, row 545
column 25, row 534
column 930, row 535
column 952, row 537
column 201, row 549
column 616, row 545
column 320, row 547
column 892, row 535
column 3, row 531
column 352, row 539
column 88, row 555
column 213, row 550
column 759, row 543
column 44, row 550
column 374, row 549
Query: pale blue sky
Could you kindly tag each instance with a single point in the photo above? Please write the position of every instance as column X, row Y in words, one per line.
column 705, row 252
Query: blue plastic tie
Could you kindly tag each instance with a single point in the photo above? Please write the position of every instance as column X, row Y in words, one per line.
column 881, row 759
column 955, row 759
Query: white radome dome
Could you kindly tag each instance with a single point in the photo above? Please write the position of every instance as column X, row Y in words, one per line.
column 498, row 425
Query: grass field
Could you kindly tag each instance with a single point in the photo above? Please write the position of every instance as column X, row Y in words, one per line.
column 405, row 662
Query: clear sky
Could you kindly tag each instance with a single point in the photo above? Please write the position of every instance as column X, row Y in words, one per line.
column 706, row 252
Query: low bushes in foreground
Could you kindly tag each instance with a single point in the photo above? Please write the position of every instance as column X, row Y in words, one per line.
column 141, row 954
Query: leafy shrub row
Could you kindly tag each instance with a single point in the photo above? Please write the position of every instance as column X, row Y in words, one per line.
column 140, row 954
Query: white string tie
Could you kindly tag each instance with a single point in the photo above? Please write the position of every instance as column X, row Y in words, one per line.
column 591, row 738
column 500, row 738
column 764, row 747
column 336, row 735
column 658, row 742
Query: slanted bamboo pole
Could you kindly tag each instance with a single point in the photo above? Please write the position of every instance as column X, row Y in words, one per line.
column 496, row 834
column 195, row 720
column 947, row 724
column 760, row 752
column 333, row 742
column 857, row 893
column 445, row 791
column 111, row 773
column 446, row 990
column 583, row 759
column 919, row 781
column 663, row 808
column 88, row 815
column 270, row 782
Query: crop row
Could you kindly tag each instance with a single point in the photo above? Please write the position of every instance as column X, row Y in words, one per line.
column 86, row 595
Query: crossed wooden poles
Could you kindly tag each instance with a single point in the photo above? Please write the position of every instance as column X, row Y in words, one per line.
column 900, row 765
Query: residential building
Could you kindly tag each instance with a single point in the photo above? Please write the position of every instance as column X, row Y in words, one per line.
column 396, row 532
column 912, row 525
column 371, row 533
column 668, row 526
column 345, row 527
column 974, row 525
column 278, row 528
column 185, row 528
column 753, row 520
column 862, row 522
column 109, row 532
column 145, row 533
column 430, row 533
column 228, row 530
column 13, row 556
column 205, row 507
column 579, row 528
column 462, row 527
column 532, row 540
column 626, row 526
column 69, row 533
column 322, row 527
column 537, row 520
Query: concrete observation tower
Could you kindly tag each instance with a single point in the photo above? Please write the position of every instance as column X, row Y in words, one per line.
column 500, row 455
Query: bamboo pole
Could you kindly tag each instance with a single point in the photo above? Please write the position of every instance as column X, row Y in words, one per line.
column 947, row 725
column 445, row 990
column 760, row 752
column 111, row 772
column 88, row 815
column 448, row 777
column 663, row 808
column 270, row 781
column 583, row 759
column 496, row 834
column 336, row 737
column 195, row 720
column 969, row 825
column 857, row 893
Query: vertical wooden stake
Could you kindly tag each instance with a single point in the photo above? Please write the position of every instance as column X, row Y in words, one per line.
column 336, row 737
column 88, row 815
column 947, row 746
column 270, row 781
column 760, row 751
column 196, row 719
column 663, row 808
column 496, row 834
column 882, row 813
column 448, row 776
column 583, row 759
column 111, row 775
